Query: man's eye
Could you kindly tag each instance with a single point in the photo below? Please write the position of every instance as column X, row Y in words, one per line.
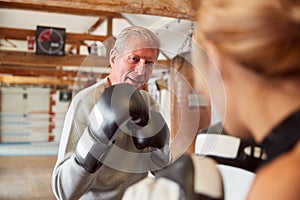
column 134, row 59
column 150, row 64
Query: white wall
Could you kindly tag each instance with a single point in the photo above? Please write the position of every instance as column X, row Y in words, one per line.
column 60, row 109
column 24, row 114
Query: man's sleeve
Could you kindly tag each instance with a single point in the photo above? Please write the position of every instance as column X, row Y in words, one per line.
column 69, row 179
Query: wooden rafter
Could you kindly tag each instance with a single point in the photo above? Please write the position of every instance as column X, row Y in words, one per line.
column 29, row 71
column 34, row 80
column 71, row 38
column 31, row 59
column 29, row 68
column 109, row 26
column 17, row 58
column 181, row 9
column 52, row 72
column 96, row 24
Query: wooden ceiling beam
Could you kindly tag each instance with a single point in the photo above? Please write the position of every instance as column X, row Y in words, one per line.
column 54, row 8
column 96, row 24
column 71, row 38
column 181, row 9
column 36, row 72
column 29, row 68
column 109, row 26
column 22, row 71
column 17, row 58
column 27, row 59
column 42, row 70
column 23, row 80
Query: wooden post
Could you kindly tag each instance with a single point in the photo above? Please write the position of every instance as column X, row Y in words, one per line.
column 51, row 116
column 186, row 119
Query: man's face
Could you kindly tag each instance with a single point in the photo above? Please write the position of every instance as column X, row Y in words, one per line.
column 133, row 67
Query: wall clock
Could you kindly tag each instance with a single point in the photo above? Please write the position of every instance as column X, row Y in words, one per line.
column 50, row 41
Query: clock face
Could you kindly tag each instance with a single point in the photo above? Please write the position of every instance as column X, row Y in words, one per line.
column 50, row 41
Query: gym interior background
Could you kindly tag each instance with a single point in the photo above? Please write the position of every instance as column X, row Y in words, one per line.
column 49, row 51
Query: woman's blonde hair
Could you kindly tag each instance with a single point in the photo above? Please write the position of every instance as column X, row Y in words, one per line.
column 263, row 35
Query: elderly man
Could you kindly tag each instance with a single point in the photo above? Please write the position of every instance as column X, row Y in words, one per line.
column 113, row 133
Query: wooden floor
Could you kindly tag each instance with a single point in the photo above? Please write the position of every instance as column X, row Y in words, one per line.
column 26, row 177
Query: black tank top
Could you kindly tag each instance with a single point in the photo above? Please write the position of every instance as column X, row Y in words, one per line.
column 283, row 137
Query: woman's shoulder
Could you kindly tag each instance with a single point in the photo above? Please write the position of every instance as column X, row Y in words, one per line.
column 279, row 179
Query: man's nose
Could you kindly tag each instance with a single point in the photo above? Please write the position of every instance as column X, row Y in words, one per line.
column 141, row 67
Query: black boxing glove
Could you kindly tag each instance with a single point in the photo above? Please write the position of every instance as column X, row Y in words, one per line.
column 155, row 135
column 118, row 105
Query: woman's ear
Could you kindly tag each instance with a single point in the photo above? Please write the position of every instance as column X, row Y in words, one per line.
column 213, row 54
column 216, row 57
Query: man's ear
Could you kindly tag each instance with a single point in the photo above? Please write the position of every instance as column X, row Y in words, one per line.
column 112, row 56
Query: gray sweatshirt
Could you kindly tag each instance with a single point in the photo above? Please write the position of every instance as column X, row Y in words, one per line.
column 124, row 165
